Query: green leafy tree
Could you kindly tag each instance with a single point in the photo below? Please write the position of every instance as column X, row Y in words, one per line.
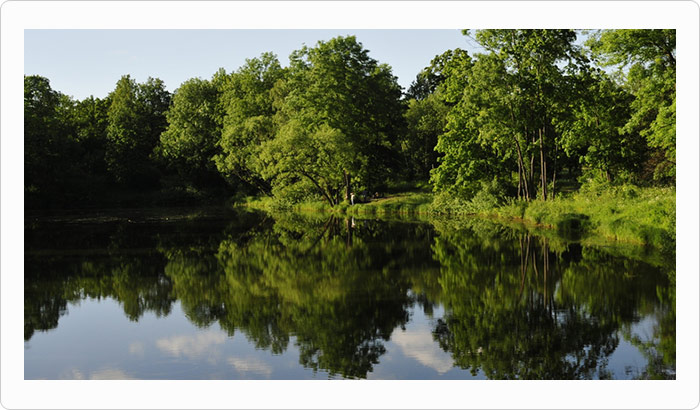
column 90, row 120
column 194, row 128
column 50, row 147
column 472, row 144
column 593, row 131
column 248, row 102
column 427, row 107
column 337, row 93
column 505, row 109
column 649, row 58
column 123, row 153
column 425, row 120
column 136, row 119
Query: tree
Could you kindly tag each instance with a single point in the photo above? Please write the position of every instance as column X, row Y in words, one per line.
column 337, row 93
column 429, row 79
column 427, row 109
column 194, row 127
column 425, row 120
column 476, row 139
column 649, row 56
column 593, row 131
column 136, row 119
column 505, row 109
column 50, row 148
column 248, row 100
column 90, row 120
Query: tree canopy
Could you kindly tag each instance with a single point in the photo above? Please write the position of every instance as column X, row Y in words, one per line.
column 532, row 111
column 339, row 114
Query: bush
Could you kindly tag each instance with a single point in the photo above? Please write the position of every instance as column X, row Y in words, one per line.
column 490, row 197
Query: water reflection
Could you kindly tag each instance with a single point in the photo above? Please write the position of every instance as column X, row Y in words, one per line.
column 510, row 304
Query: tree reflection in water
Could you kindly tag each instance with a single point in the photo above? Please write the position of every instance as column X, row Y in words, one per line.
column 516, row 305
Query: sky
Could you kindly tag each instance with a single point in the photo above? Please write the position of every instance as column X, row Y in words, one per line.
column 81, row 63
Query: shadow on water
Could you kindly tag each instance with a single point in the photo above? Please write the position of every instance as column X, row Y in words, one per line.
column 515, row 305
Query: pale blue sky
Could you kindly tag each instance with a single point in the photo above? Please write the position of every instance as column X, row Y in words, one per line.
column 81, row 63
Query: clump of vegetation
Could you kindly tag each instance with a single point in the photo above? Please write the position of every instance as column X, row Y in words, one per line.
column 488, row 198
column 402, row 203
column 410, row 202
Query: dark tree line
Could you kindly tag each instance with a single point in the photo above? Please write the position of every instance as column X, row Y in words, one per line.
column 533, row 109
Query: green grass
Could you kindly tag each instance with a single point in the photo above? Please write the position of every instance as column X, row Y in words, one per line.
column 401, row 203
column 645, row 216
column 642, row 216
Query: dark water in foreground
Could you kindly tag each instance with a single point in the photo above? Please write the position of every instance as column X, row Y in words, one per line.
column 215, row 294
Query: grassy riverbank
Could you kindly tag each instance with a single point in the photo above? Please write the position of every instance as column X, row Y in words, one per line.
column 400, row 203
column 644, row 216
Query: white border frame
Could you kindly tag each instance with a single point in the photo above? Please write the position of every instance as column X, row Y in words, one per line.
column 15, row 392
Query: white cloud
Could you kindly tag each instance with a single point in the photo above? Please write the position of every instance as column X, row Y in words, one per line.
column 102, row 374
column 72, row 374
column 191, row 346
column 250, row 365
column 419, row 345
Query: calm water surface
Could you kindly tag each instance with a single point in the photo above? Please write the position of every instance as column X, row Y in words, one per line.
column 215, row 294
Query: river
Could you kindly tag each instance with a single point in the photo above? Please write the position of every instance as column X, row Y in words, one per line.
column 235, row 294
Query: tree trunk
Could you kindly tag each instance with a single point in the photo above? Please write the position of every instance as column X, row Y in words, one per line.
column 323, row 191
column 521, row 170
column 520, row 181
column 554, row 171
column 346, row 177
column 532, row 168
column 543, row 166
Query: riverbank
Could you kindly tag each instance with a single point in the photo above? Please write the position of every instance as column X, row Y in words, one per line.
column 643, row 216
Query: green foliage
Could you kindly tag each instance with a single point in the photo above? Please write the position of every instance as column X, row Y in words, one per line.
column 136, row 118
column 628, row 213
column 425, row 120
column 594, row 130
column 302, row 161
column 407, row 203
column 531, row 115
column 649, row 56
column 442, row 67
column 533, row 108
column 249, row 103
column 506, row 103
column 194, row 128
column 345, row 106
column 51, row 148
column 487, row 199
column 90, row 120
